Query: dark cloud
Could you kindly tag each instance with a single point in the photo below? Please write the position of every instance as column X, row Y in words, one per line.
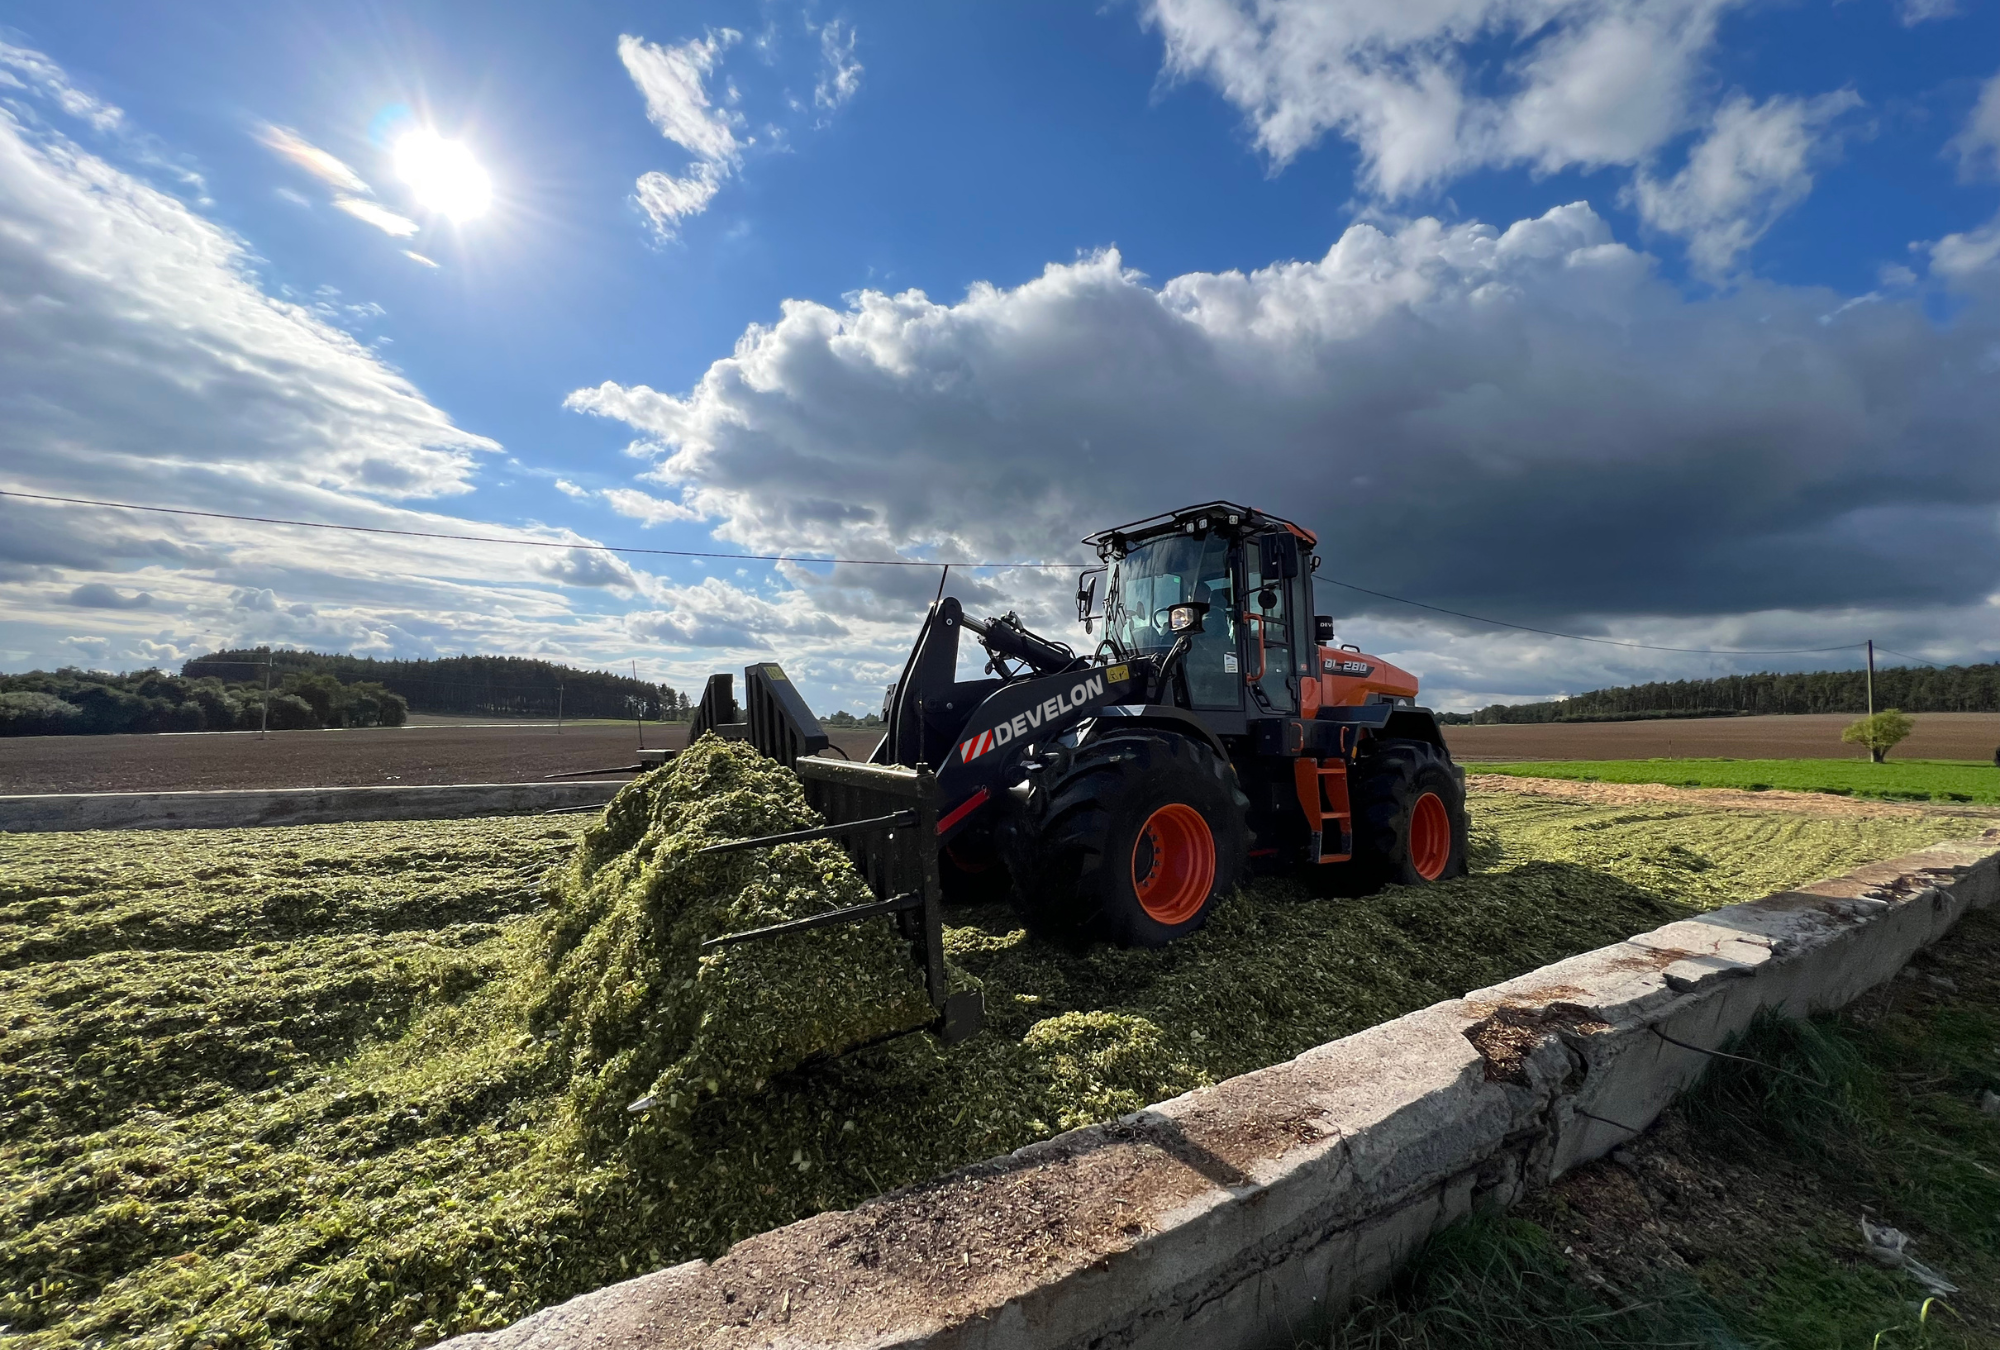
column 1527, row 422
column 97, row 595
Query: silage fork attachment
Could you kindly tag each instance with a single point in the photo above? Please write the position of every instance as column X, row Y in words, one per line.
column 886, row 815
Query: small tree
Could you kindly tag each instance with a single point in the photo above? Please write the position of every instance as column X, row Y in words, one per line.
column 1880, row 733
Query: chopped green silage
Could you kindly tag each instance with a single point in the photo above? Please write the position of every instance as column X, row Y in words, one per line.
column 313, row 1086
column 638, row 1010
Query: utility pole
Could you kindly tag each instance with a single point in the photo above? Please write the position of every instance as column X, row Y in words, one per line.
column 559, row 692
column 1871, row 677
column 639, row 709
column 264, row 726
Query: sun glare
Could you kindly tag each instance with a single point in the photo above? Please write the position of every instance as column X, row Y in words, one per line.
column 443, row 175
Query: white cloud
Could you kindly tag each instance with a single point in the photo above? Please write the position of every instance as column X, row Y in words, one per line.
column 1590, row 82
column 840, row 73
column 671, row 79
column 643, row 506
column 1915, row 12
column 1968, row 259
column 589, row 567
column 1977, row 144
column 715, row 614
column 569, row 489
column 37, row 72
column 667, row 200
column 141, row 360
column 1580, row 84
column 383, row 219
column 418, row 258
column 315, row 161
column 153, row 356
column 1754, row 164
column 1525, row 422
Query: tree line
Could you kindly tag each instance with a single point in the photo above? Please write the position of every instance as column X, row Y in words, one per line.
column 1914, row 689
column 71, row 702
column 499, row 686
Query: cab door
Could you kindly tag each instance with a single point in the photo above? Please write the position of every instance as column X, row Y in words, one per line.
column 1276, row 649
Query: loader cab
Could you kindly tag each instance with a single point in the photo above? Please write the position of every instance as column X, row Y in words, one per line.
column 1254, row 653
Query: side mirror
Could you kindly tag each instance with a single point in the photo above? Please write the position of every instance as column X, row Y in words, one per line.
column 1323, row 629
column 1186, row 618
column 1267, row 599
column 1086, row 597
column 1278, row 555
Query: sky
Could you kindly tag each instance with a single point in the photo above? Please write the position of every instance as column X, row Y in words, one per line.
column 1661, row 322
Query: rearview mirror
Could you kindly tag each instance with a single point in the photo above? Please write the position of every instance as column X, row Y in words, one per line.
column 1086, row 596
column 1278, row 556
column 1186, row 618
column 1323, row 629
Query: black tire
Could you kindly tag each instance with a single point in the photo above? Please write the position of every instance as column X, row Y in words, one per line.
column 1078, row 863
column 1389, row 786
column 971, row 870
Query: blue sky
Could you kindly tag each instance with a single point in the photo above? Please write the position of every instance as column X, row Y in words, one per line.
column 1670, row 321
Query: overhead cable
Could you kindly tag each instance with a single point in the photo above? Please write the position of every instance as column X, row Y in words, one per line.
column 1607, row 642
column 896, row 562
column 529, row 543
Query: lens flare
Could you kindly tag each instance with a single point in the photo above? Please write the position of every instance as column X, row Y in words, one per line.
column 443, row 175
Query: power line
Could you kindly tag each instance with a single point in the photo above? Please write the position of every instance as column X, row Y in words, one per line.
column 1607, row 642
column 900, row 562
column 1907, row 657
column 527, row 543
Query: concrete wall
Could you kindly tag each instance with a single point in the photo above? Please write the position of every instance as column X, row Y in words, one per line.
column 291, row 806
column 1243, row 1214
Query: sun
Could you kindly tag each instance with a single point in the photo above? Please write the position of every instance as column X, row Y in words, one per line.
column 443, row 175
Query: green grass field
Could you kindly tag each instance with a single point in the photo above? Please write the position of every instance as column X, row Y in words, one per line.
column 1911, row 780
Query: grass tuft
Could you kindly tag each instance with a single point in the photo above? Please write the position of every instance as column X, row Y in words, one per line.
column 1494, row 1281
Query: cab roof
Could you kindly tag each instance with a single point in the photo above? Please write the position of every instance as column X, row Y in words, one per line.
column 1207, row 517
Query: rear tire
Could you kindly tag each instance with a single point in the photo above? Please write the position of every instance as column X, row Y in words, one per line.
column 1137, row 842
column 1409, row 817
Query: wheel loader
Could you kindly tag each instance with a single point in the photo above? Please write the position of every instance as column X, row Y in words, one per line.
column 1216, row 730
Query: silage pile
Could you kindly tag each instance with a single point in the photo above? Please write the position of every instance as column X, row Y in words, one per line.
column 642, row 1014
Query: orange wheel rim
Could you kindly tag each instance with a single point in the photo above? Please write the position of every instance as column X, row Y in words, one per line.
column 1430, row 837
column 1173, row 864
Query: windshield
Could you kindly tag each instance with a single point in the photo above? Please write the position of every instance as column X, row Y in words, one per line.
column 1167, row 572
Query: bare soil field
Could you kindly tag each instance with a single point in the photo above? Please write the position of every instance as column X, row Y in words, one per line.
column 1807, row 736
column 406, row 755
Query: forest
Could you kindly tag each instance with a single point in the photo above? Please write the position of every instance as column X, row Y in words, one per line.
column 1914, row 689
column 71, row 702
column 498, row 686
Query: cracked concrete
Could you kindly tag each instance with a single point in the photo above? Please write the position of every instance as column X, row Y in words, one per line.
column 1244, row 1214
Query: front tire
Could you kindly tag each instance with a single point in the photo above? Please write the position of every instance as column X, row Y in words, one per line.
column 1141, row 837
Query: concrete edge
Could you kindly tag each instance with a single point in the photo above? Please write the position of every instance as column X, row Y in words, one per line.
column 25, row 814
column 1243, row 1214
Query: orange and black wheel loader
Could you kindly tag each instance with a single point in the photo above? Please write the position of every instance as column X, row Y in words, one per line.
column 1216, row 730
